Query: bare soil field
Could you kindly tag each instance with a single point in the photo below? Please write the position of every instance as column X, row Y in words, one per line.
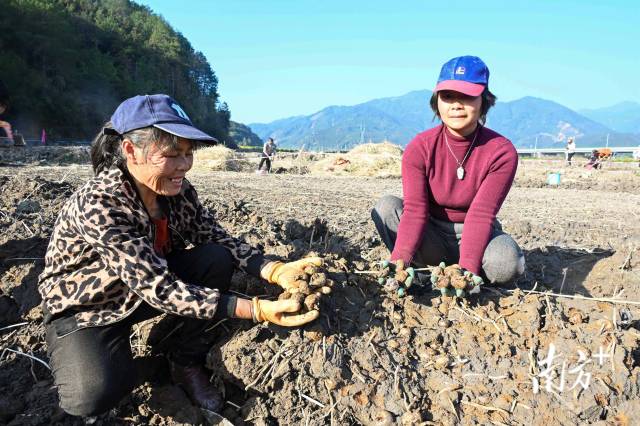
column 510, row 355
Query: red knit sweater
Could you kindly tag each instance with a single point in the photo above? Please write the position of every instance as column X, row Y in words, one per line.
column 430, row 187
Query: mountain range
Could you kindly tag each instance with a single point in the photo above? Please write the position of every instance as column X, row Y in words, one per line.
column 528, row 122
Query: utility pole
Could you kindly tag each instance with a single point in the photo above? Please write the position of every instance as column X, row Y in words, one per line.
column 607, row 141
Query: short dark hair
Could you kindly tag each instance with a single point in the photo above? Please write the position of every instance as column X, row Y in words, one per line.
column 106, row 151
column 488, row 100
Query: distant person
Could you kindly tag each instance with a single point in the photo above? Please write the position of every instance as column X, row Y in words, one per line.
column 570, row 150
column 594, row 160
column 636, row 155
column 4, row 106
column 268, row 152
column 455, row 178
column 133, row 243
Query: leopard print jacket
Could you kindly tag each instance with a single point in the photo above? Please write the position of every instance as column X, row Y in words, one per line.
column 100, row 263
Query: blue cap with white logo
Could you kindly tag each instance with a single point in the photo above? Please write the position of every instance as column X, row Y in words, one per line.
column 464, row 74
column 159, row 111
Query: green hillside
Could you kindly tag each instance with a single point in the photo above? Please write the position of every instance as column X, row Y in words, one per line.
column 68, row 63
column 241, row 135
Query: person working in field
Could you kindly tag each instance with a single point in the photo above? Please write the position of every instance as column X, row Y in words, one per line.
column 455, row 178
column 134, row 242
column 268, row 152
column 595, row 160
column 570, row 150
column 6, row 132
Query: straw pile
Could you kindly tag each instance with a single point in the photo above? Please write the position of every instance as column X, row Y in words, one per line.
column 371, row 159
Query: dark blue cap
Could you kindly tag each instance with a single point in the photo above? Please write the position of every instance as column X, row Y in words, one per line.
column 159, row 111
column 464, row 74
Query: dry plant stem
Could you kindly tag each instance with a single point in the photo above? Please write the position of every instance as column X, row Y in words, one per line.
column 428, row 268
column 20, row 324
column 216, row 324
column 33, row 373
column 331, row 410
column 579, row 297
column 266, row 367
column 396, row 381
column 27, row 228
column 485, row 375
column 626, row 265
column 23, row 354
column 330, row 402
column 6, row 337
column 485, row 407
column 236, row 406
column 308, row 398
column 25, row 258
column 564, row 278
column 613, row 352
column 240, row 294
column 555, row 321
column 324, row 348
column 171, row 332
column 356, row 372
column 490, row 321
column 535, row 285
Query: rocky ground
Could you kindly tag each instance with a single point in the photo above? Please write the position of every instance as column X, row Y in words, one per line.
column 507, row 356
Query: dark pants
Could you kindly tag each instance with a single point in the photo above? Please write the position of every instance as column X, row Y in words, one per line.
column 94, row 369
column 502, row 262
column 570, row 157
column 265, row 160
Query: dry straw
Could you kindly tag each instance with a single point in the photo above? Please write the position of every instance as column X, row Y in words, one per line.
column 371, row 159
column 219, row 158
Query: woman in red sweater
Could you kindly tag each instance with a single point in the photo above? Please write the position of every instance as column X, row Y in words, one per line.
column 455, row 178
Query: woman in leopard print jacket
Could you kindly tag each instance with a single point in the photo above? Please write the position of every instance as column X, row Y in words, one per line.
column 134, row 242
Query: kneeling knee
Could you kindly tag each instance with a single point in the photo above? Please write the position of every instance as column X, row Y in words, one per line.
column 505, row 270
column 387, row 207
column 503, row 261
column 93, row 395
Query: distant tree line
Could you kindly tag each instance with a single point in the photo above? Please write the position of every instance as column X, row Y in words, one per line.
column 67, row 64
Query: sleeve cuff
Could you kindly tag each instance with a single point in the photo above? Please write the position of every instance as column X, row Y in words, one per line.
column 226, row 307
column 257, row 262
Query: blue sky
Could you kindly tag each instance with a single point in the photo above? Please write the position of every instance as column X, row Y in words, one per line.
column 277, row 58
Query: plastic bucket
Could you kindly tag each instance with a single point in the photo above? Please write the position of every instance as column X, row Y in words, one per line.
column 553, row 179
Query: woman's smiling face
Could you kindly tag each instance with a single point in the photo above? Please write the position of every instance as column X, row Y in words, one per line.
column 163, row 171
column 459, row 112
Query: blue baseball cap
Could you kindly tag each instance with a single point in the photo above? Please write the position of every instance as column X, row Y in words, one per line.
column 160, row 111
column 464, row 74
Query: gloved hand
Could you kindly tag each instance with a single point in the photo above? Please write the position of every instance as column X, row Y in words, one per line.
column 395, row 277
column 453, row 280
column 281, row 312
column 292, row 276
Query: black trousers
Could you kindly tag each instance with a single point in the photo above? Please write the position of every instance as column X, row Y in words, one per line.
column 94, row 369
column 265, row 160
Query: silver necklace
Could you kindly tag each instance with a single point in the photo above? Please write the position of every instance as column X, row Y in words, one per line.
column 460, row 169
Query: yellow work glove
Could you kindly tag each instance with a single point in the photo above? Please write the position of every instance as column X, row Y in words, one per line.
column 281, row 312
column 292, row 275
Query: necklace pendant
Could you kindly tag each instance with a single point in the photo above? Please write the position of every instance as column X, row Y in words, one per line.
column 460, row 173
